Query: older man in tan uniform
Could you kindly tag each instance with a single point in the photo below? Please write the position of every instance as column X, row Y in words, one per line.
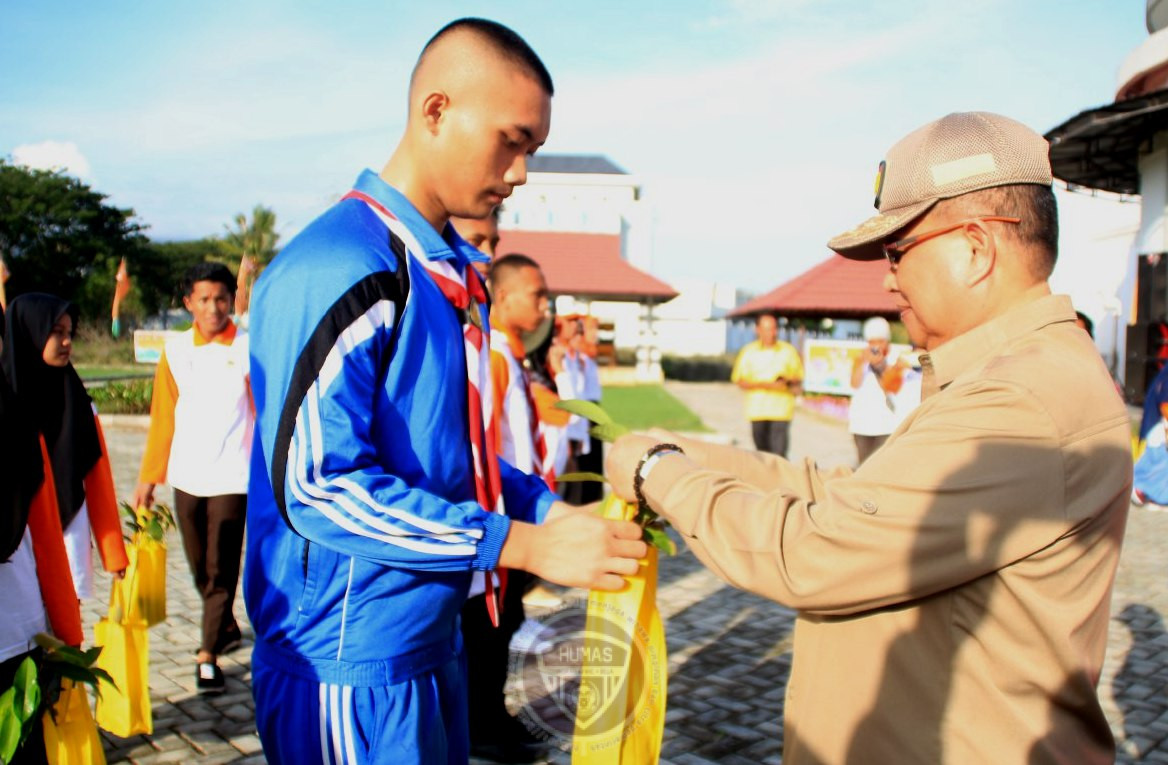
column 953, row 592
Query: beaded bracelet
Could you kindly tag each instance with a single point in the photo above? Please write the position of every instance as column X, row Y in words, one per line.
column 638, row 476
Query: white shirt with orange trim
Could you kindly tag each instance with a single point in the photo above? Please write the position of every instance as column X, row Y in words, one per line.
column 213, row 415
column 515, row 417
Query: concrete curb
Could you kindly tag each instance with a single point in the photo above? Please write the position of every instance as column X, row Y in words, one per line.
column 124, row 420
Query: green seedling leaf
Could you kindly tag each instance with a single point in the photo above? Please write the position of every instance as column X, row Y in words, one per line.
column 91, row 655
column 28, row 694
column 589, row 410
column 584, row 476
column 154, row 529
column 10, row 727
column 67, row 654
column 656, row 536
column 8, row 702
column 85, row 675
column 47, row 641
column 608, row 433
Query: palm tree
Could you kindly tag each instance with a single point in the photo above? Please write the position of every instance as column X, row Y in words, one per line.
column 254, row 243
column 255, row 239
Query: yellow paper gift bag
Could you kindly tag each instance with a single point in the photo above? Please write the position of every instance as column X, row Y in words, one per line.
column 620, row 709
column 71, row 736
column 124, row 710
column 148, row 563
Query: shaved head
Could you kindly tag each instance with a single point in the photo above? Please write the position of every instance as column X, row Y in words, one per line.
column 479, row 107
column 506, row 268
column 479, row 38
column 519, row 292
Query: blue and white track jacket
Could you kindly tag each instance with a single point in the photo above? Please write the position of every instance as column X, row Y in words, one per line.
column 363, row 531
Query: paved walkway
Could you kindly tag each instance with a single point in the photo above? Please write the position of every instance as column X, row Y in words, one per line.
column 729, row 651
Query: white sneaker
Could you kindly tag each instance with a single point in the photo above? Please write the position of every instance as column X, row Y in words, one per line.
column 533, row 637
column 541, row 597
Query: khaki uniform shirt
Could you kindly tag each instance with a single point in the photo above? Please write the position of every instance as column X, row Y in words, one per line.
column 953, row 592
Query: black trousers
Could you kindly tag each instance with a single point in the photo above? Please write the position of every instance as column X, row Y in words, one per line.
column 584, row 492
column 771, row 435
column 33, row 751
column 488, row 656
column 212, row 534
column 865, row 445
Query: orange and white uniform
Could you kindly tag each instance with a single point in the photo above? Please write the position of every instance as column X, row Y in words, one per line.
column 520, row 439
column 201, row 417
column 98, row 517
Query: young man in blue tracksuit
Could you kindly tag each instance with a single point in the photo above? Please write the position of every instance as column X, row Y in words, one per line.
column 370, row 504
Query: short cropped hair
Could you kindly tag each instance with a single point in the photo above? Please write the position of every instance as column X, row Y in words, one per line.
column 506, row 43
column 502, row 268
column 207, row 272
column 1036, row 206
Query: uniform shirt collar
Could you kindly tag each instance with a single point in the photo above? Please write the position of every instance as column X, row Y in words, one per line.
column 445, row 246
column 513, row 341
column 966, row 351
column 226, row 337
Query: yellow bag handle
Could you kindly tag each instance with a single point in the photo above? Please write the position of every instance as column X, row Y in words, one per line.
column 122, row 592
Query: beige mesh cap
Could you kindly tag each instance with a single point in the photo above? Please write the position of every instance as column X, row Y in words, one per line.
column 955, row 155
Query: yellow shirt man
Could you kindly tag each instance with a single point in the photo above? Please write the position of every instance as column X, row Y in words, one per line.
column 771, row 373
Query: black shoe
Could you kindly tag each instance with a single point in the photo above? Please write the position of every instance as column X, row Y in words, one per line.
column 230, row 640
column 233, row 644
column 209, row 679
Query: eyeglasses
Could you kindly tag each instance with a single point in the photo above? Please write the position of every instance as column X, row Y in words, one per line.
column 894, row 251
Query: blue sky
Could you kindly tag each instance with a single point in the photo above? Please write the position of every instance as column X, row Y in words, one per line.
column 755, row 126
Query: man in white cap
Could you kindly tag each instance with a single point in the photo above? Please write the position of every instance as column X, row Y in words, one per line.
column 878, row 376
column 953, row 592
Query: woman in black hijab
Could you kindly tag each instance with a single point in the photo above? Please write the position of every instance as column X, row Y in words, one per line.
column 38, row 341
column 36, row 588
column 20, row 454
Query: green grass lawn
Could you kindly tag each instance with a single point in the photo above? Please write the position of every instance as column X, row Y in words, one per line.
column 641, row 407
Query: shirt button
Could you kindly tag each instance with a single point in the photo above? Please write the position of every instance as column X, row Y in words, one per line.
column 868, row 507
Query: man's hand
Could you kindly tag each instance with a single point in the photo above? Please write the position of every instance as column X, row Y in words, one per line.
column 576, row 549
column 561, row 509
column 621, row 462
column 144, row 495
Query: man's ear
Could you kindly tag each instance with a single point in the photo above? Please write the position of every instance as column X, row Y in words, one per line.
column 983, row 253
column 434, row 108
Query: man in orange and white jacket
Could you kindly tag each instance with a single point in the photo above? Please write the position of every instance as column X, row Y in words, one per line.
column 201, row 425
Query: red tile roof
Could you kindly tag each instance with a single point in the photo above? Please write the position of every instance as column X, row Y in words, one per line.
column 585, row 265
column 835, row 287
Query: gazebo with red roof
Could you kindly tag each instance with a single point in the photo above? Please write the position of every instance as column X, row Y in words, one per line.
column 836, row 288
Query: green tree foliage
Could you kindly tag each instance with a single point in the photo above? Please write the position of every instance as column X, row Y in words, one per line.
column 58, row 235
column 255, row 238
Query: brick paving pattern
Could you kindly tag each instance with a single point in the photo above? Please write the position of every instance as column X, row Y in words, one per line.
column 729, row 651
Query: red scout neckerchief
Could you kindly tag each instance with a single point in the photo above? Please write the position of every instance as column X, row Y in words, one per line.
column 462, row 291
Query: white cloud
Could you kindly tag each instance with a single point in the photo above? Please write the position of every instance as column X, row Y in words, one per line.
column 54, row 155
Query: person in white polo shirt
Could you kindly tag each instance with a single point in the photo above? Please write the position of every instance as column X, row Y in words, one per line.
column 201, row 423
column 881, row 399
